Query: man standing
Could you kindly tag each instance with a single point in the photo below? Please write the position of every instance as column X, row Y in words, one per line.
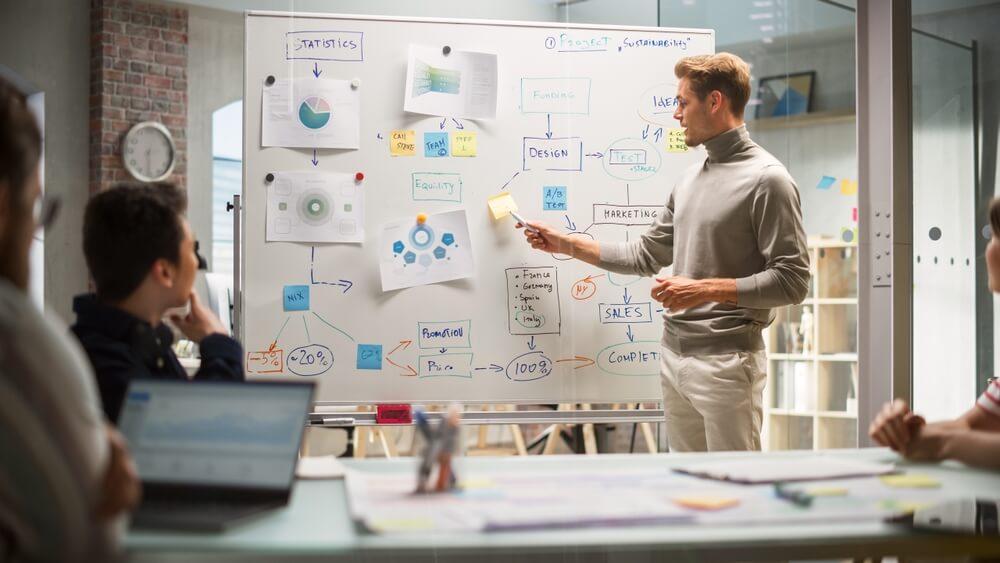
column 732, row 228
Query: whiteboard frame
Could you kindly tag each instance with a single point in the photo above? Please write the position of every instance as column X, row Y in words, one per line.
column 239, row 254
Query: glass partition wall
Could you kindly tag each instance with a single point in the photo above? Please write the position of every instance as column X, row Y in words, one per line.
column 953, row 311
column 802, row 111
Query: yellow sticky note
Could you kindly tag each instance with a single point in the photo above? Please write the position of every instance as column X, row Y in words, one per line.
column 827, row 492
column 707, row 502
column 902, row 506
column 848, row 187
column 401, row 524
column 473, row 484
column 910, row 481
column 501, row 205
column 463, row 143
column 403, row 143
column 675, row 140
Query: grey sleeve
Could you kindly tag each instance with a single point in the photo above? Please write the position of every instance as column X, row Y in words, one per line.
column 776, row 214
column 654, row 249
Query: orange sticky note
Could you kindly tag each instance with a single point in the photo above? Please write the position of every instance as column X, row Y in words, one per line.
column 707, row 502
column 403, row 143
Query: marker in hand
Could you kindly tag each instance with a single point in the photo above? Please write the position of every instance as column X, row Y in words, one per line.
column 522, row 221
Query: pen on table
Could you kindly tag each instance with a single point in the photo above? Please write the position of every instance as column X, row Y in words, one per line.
column 522, row 221
column 798, row 498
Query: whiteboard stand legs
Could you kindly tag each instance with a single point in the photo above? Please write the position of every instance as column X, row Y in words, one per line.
column 647, row 434
column 482, row 443
column 589, row 437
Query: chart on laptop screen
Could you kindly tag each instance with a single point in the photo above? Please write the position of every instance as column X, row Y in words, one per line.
column 214, row 433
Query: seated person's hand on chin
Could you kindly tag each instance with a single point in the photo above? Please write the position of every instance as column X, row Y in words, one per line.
column 199, row 323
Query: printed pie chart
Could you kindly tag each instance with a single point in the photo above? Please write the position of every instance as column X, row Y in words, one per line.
column 314, row 112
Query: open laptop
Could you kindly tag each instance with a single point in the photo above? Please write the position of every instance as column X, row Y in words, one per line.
column 213, row 454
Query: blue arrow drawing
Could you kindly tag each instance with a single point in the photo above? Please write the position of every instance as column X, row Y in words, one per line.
column 658, row 134
column 458, row 124
column 645, row 132
column 314, row 160
column 626, row 297
column 628, row 333
column 443, row 121
column 570, row 224
column 443, row 350
column 548, row 127
column 531, row 343
column 316, row 70
column 493, row 367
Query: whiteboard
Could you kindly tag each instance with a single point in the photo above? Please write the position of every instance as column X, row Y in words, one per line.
column 583, row 139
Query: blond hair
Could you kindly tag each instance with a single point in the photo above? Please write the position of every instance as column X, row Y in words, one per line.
column 724, row 72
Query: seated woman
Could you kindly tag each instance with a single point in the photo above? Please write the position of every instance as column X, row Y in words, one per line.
column 66, row 477
column 974, row 437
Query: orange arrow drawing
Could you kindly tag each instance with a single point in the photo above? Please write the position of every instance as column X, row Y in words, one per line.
column 408, row 370
column 271, row 347
column 585, row 361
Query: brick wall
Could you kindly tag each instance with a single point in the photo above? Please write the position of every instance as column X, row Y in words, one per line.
column 138, row 72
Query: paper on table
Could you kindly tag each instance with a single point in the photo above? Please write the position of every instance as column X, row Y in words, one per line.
column 315, row 207
column 320, row 467
column 766, row 470
column 310, row 113
column 461, row 84
column 412, row 253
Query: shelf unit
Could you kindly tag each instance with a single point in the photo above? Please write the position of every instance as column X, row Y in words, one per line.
column 810, row 401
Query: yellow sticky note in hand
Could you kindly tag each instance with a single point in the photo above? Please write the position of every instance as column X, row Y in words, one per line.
column 675, row 140
column 501, row 205
column 707, row 502
column 463, row 143
column 910, row 481
column 403, row 143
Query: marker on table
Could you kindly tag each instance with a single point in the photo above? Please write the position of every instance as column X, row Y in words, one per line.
column 522, row 221
column 798, row 498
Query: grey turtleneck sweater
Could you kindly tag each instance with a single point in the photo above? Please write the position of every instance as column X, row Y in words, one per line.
column 738, row 216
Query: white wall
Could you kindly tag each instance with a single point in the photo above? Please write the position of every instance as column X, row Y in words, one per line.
column 215, row 79
column 47, row 42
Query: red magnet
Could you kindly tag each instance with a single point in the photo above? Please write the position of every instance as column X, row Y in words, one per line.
column 359, row 176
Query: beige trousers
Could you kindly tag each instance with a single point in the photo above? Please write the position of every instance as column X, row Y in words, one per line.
column 713, row 402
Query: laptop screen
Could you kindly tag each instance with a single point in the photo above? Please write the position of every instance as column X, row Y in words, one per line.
column 215, row 433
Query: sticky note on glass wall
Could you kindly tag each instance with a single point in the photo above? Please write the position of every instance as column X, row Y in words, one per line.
column 675, row 140
column 403, row 143
column 554, row 198
column 826, row 182
column 435, row 144
column 296, row 298
column 463, row 143
column 848, row 187
column 369, row 356
column 501, row 205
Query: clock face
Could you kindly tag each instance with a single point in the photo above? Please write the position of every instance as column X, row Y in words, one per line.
column 148, row 152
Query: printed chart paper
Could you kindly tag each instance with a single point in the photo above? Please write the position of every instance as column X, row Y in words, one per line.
column 311, row 113
column 460, row 84
column 412, row 253
column 315, row 207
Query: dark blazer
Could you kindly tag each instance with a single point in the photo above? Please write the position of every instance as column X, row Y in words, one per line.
column 122, row 347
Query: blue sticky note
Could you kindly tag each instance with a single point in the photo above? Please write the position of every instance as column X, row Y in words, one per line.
column 554, row 198
column 436, row 144
column 826, row 182
column 369, row 356
column 296, row 298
